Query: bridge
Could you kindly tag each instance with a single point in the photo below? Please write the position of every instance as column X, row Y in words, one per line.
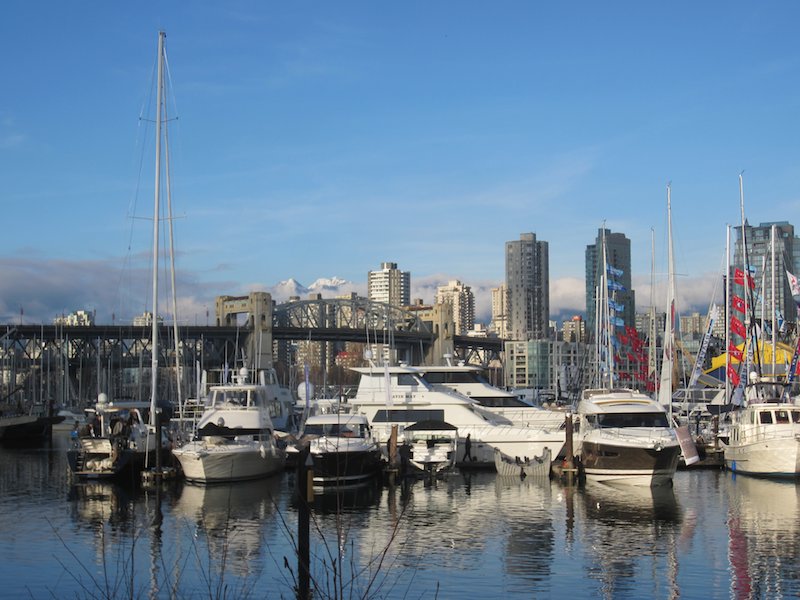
column 76, row 361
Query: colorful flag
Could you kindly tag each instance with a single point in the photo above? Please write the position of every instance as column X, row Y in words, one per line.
column 735, row 353
column 733, row 376
column 737, row 303
column 738, row 277
column 738, row 327
column 615, row 286
column 613, row 271
column 794, row 285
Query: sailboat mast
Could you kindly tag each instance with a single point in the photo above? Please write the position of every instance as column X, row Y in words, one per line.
column 178, row 353
column 773, row 304
column 727, row 312
column 668, row 343
column 651, row 330
column 156, row 216
column 606, row 308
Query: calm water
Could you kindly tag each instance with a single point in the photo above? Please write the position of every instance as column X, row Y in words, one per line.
column 472, row 536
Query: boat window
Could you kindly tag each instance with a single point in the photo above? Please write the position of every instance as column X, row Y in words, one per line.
column 501, row 402
column 765, row 417
column 235, row 397
column 408, row 416
column 633, row 420
column 406, row 379
column 457, row 377
column 782, row 416
column 796, row 416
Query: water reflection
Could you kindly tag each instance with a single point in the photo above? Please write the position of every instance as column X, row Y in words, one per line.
column 232, row 517
column 763, row 543
column 629, row 530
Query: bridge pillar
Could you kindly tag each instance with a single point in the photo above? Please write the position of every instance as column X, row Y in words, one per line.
column 258, row 308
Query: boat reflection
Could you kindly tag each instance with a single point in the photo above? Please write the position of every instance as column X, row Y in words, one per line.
column 449, row 524
column 763, row 544
column 631, row 505
column 100, row 503
column 232, row 517
column 631, row 530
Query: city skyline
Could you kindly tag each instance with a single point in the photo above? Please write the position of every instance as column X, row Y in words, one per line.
column 316, row 144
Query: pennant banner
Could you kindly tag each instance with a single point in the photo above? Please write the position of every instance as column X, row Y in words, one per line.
column 738, row 277
column 737, row 327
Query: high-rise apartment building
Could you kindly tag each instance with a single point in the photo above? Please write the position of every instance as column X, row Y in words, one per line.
column 389, row 285
column 528, row 286
column 759, row 257
column 500, row 311
column 574, row 330
column 618, row 256
column 461, row 298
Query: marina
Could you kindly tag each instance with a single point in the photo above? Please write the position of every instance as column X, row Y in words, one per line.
column 472, row 534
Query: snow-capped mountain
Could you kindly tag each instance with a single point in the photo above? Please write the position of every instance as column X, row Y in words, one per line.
column 329, row 287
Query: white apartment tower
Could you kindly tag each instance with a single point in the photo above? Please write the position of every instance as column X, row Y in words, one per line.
column 500, row 311
column 461, row 298
column 389, row 285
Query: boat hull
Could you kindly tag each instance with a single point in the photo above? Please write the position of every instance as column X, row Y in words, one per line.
column 609, row 462
column 102, row 465
column 515, row 442
column 234, row 461
column 774, row 457
column 27, row 429
column 535, row 467
column 343, row 468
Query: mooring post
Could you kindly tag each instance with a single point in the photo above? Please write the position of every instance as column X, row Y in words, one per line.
column 569, row 463
column 158, row 440
column 304, row 489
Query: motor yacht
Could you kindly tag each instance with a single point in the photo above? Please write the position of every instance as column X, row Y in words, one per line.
column 624, row 436
column 764, row 436
column 401, row 396
column 235, row 437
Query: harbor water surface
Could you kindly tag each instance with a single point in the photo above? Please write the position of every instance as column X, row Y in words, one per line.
column 473, row 535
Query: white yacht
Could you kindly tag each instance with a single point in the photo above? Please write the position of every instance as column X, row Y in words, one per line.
column 235, row 436
column 624, row 436
column 764, row 437
column 469, row 381
column 402, row 396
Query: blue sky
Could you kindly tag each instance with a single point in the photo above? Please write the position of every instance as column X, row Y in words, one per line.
column 316, row 140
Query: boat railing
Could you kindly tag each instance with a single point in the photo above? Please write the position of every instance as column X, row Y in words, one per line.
column 760, row 433
column 650, row 434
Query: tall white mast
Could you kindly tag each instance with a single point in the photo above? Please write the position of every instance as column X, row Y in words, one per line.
column 727, row 311
column 773, row 304
column 668, row 342
column 651, row 333
column 156, row 217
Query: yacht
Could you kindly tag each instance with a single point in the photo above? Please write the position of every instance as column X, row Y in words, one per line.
column 342, row 448
column 624, row 436
column 402, row 396
column 469, row 381
column 235, row 437
column 764, row 437
column 116, row 442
